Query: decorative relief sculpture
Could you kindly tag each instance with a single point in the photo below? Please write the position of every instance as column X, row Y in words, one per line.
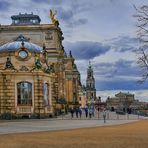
column 49, row 35
column 24, row 68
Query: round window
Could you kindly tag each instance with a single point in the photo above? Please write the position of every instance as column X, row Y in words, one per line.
column 23, row 54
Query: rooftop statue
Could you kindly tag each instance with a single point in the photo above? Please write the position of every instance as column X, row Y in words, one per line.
column 53, row 19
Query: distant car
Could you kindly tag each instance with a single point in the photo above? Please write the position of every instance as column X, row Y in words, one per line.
column 120, row 112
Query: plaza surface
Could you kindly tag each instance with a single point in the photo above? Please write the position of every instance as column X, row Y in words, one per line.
column 53, row 125
column 131, row 135
column 63, row 123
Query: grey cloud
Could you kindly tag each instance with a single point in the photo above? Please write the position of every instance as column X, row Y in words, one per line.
column 50, row 2
column 82, row 6
column 86, row 49
column 118, row 68
column 123, row 43
column 67, row 16
column 127, row 68
column 118, row 75
column 80, row 22
column 3, row 16
column 4, row 5
column 120, row 85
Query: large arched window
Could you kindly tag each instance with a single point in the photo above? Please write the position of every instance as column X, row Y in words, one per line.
column 46, row 94
column 24, row 93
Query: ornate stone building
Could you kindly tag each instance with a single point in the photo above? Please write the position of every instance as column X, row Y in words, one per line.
column 121, row 101
column 35, row 72
column 90, row 84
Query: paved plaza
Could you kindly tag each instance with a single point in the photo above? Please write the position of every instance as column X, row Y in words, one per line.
column 63, row 123
column 52, row 125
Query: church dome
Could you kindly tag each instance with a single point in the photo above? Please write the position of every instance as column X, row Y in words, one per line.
column 19, row 42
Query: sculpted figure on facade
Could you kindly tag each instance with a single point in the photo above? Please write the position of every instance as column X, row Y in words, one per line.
column 50, row 69
column 37, row 65
column 9, row 65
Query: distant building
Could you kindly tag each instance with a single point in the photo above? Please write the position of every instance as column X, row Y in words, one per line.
column 120, row 101
column 138, row 105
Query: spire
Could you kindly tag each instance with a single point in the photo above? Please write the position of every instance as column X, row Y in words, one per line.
column 89, row 65
column 89, row 70
column 65, row 54
column 70, row 54
column 90, row 83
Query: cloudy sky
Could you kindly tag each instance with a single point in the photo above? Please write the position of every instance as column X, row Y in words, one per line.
column 100, row 31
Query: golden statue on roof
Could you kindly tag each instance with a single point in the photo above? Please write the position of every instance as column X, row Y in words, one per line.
column 53, row 19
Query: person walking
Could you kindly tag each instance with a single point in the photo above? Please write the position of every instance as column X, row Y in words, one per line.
column 80, row 112
column 72, row 112
column 90, row 112
column 77, row 112
column 86, row 112
column 104, row 115
column 93, row 111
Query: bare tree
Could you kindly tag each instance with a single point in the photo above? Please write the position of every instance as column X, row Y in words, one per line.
column 142, row 33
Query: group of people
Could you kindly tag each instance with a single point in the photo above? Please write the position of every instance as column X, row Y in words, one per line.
column 89, row 112
column 77, row 111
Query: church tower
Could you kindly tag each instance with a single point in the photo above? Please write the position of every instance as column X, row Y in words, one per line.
column 90, row 84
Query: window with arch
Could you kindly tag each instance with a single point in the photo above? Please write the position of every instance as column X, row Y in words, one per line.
column 24, row 93
column 46, row 94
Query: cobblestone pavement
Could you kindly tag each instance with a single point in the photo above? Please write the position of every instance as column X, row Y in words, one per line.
column 61, row 123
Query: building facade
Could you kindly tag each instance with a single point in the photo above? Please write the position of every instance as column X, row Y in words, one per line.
column 35, row 71
column 82, row 97
column 121, row 101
